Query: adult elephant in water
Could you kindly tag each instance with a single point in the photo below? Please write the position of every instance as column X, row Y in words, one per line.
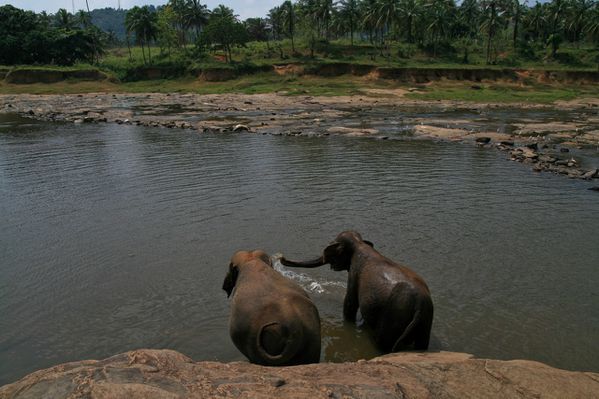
column 273, row 322
column 395, row 302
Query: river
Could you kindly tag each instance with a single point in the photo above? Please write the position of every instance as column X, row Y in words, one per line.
column 118, row 237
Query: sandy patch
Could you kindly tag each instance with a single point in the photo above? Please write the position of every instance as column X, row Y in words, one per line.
column 439, row 132
column 351, row 131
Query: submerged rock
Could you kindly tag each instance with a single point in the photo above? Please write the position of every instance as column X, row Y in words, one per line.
column 241, row 128
column 170, row 374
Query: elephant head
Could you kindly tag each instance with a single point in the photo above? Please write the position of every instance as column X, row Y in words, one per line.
column 238, row 260
column 338, row 253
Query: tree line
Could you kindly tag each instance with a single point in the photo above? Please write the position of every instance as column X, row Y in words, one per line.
column 183, row 22
column 431, row 25
column 437, row 27
column 62, row 38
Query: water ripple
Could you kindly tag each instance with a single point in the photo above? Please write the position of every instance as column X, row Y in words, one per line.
column 118, row 238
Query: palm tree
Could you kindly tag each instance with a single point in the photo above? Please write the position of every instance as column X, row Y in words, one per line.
column 324, row 11
column 149, row 27
column 592, row 27
column 536, row 21
column 275, row 18
column 410, row 11
column 556, row 10
column 468, row 15
column 179, row 7
column 83, row 19
column 348, row 12
column 289, row 21
column 308, row 15
column 388, row 13
column 143, row 22
column 224, row 12
column 196, row 16
column 132, row 19
column 64, row 19
column 577, row 19
column 369, row 12
column 439, row 15
column 514, row 11
column 490, row 23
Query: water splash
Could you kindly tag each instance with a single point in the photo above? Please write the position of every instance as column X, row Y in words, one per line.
column 306, row 282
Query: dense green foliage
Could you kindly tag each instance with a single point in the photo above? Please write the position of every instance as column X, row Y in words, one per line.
column 63, row 39
column 442, row 27
column 560, row 33
column 224, row 32
column 496, row 32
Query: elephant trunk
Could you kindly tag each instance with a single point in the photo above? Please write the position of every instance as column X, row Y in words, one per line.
column 308, row 264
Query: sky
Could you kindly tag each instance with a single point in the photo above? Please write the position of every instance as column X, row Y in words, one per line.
column 244, row 8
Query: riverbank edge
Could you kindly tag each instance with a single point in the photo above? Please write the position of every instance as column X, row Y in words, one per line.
column 543, row 148
column 149, row 373
column 24, row 74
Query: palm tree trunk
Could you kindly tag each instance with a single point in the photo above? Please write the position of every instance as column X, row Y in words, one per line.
column 488, row 47
column 94, row 41
column 129, row 47
column 143, row 53
column 516, row 21
column 150, row 52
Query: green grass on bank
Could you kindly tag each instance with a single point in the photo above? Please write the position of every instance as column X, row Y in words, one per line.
column 503, row 93
column 322, row 86
column 249, row 84
column 569, row 57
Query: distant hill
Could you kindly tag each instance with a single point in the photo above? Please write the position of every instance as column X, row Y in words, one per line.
column 109, row 19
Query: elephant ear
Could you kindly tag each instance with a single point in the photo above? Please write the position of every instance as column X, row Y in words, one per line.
column 336, row 255
column 230, row 279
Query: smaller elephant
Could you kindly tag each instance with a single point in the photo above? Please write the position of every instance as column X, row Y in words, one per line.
column 273, row 322
column 394, row 301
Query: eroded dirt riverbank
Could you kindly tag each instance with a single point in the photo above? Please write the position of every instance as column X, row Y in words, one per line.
column 545, row 136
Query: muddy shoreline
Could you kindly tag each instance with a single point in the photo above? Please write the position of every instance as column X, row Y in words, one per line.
column 543, row 137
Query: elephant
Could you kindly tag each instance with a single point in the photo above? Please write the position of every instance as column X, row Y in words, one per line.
column 273, row 322
column 394, row 301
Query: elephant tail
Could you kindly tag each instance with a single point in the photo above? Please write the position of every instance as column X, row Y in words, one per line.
column 407, row 334
column 419, row 329
column 278, row 343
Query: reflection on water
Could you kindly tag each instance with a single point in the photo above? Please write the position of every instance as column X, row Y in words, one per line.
column 118, row 237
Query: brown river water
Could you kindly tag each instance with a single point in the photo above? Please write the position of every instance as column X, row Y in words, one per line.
column 116, row 237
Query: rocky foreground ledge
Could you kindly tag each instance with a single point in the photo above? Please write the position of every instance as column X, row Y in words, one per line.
column 170, row 374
